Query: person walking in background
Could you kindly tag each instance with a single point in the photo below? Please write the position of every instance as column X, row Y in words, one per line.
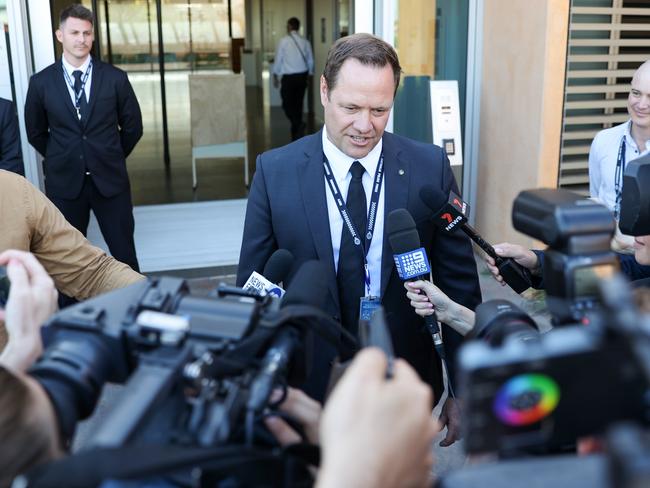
column 11, row 157
column 84, row 118
column 294, row 63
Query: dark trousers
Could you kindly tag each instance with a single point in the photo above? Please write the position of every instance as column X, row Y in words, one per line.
column 292, row 92
column 114, row 215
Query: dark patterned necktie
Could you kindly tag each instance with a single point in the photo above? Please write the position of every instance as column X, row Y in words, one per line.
column 351, row 276
column 78, row 87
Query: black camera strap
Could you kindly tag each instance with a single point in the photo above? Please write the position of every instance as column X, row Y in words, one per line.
column 91, row 468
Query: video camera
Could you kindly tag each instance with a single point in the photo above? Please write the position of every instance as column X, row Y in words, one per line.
column 578, row 233
column 548, row 390
column 198, row 372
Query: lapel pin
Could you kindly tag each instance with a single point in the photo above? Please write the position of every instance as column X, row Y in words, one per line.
column 401, row 172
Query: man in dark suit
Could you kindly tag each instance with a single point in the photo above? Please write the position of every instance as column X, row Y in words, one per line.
column 10, row 154
column 292, row 206
column 83, row 117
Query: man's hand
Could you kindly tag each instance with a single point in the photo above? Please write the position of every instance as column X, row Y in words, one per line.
column 301, row 408
column 451, row 417
column 377, row 432
column 276, row 81
column 32, row 299
column 525, row 257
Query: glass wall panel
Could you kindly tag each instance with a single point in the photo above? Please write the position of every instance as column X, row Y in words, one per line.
column 196, row 36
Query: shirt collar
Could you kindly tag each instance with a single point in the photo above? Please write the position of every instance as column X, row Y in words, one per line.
column 341, row 162
column 630, row 140
column 71, row 69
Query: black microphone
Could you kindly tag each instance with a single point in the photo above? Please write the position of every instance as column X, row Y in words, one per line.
column 451, row 214
column 276, row 270
column 411, row 261
column 278, row 266
column 304, row 290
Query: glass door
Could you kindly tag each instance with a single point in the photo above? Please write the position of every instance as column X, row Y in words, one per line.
column 196, row 36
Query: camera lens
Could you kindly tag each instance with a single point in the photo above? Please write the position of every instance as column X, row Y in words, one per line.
column 499, row 320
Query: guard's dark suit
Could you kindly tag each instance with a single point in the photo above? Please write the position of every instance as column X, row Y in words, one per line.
column 98, row 144
column 287, row 208
column 10, row 154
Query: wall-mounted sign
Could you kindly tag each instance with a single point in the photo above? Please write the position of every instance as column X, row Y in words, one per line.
column 445, row 119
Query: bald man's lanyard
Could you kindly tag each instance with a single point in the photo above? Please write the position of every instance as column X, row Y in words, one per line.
column 618, row 177
column 368, row 303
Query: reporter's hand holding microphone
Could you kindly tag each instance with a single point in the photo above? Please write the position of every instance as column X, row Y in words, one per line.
column 521, row 255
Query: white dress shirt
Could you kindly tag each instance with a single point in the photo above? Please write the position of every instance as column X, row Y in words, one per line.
column 603, row 156
column 71, row 69
column 288, row 58
column 340, row 164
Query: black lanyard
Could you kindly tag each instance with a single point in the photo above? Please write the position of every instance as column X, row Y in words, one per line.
column 618, row 177
column 84, row 79
column 363, row 244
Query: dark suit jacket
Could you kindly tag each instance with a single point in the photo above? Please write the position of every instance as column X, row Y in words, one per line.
column 287, row 208
column 71, row 147
column 10, row 154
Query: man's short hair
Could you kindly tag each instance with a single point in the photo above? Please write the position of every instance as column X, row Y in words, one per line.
column 365, row 48
column 293, row 23
column 76, row 11
column 25, row 442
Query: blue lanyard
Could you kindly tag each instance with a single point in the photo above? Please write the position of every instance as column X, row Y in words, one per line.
column 364, row 245
column 618, row 177
column 84, row 79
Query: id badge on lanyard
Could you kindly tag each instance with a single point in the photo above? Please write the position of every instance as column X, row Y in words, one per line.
column 367, row 304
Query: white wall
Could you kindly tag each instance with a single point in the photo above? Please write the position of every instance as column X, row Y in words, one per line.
column 324, row 12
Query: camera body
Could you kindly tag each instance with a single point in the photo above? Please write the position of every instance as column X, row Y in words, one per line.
column 577, row 380
column 193, row 367
column 551, row 391
column 578, row 233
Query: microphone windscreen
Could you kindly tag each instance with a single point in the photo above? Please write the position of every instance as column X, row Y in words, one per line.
column 433, row 197
column 308, row 286
column 402, row 233
column 278, row 266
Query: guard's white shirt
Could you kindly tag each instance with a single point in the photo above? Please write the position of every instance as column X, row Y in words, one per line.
column 603, row 156
column 71, row 69
column 288, row 58
column 340, row 164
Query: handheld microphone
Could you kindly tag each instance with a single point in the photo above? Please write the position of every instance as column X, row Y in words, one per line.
column 411, row 261
column 275, row 271
column 451, row 214
column 304, row 290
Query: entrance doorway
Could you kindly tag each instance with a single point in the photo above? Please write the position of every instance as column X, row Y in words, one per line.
column 196, row 38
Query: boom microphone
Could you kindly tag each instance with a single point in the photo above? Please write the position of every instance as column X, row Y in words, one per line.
column 275, row 271
column 411, row 260
column 451, row 214
column 278, row 266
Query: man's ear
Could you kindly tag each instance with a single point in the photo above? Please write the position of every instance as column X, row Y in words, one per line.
column 59, row 35
column 324, row 91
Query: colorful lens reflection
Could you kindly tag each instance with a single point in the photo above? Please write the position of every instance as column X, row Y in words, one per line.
column 526, row 399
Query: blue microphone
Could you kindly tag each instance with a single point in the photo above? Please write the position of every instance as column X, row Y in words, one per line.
column 411, row 261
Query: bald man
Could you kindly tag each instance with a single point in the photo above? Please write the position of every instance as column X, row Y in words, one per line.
column 613, row 147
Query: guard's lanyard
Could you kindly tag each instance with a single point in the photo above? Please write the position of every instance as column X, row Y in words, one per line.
column 618, row 177
column 84, row 79
column 363, row 244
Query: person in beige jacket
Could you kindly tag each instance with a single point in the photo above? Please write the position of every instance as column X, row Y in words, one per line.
column 30, row 222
